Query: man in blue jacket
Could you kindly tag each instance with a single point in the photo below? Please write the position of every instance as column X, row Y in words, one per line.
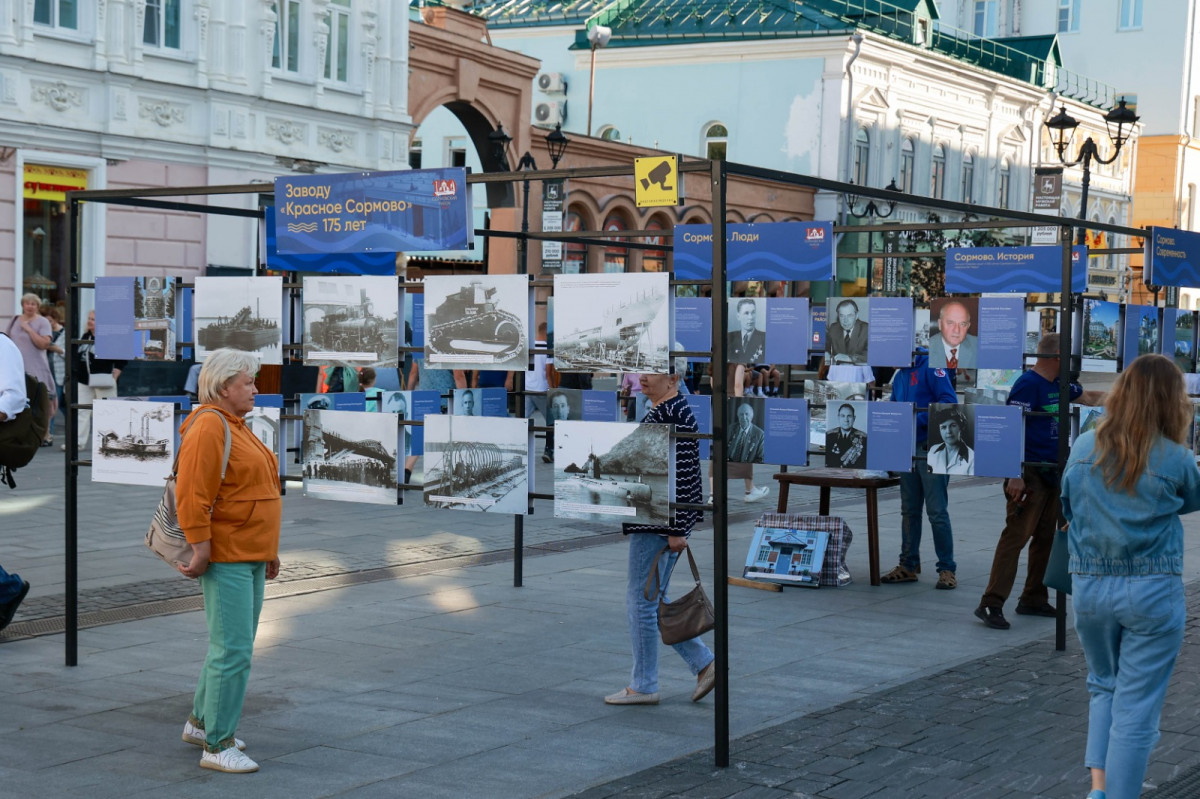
column 922, row 386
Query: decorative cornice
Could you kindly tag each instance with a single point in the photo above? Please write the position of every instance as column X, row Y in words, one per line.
column 336, row 140
column 164, row 113
column 58, row 96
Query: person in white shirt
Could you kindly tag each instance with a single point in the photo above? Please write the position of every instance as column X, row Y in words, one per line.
column 12, row 401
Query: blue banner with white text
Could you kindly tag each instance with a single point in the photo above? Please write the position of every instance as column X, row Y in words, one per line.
column 1017, row 270
column 757, row 251
column 1173, row 258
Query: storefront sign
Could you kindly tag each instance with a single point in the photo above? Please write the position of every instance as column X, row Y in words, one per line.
column 758, row 251
column 51, row 183
column 418, row 209
column 1173, row 258
column 1018, row 270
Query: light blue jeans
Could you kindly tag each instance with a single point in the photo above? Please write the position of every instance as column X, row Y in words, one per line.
column 1131, row 629
column 643, row 614
column 922, row 487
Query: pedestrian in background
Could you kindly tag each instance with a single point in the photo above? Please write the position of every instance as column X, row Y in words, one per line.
column 97, row 380
column 1124, row 489
column 232, row 521
column 31, row 332
column 919, row 487
column 13, row 401
column 645, row 544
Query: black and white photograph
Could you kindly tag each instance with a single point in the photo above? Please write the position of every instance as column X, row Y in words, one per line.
column 951, row 439
column 746, row 332
column 477, row 463
column 264, row 423
column 846, row 330
column 350, row 456
column 921, row 329
column 467, row 402
column 244, row 313
column 846, row 435
column 154, row 312
column 398, row 402
column 477, row 322
column 822, row 391
column 351, row 320
column 133, row 442
column 613, row 471
column 564, row 404
column 612, row 323
column 745, row 424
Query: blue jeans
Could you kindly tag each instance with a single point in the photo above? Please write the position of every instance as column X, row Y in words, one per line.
column 922, row 487
column 1131, row 629
column 643, row 614
column 10, row 586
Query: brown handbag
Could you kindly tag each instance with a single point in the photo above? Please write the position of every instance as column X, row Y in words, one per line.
column 689, row 616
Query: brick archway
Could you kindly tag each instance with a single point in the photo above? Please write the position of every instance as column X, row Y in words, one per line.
column 453, row 65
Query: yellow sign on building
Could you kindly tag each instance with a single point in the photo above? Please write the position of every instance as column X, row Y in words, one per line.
column 51, row 183
column 656, row 181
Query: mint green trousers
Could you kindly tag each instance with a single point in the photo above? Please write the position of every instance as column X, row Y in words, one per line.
column 233, row 598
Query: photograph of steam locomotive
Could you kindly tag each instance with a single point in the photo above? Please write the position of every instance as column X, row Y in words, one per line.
column 154, row 313
column 350, row 456
column 478, row 463
column 613, row 471
column 351, row 321
column 133, row 442
column 477, row 322
column 616, row 323
column 239, row 312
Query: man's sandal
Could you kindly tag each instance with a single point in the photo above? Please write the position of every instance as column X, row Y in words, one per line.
column 899, row 574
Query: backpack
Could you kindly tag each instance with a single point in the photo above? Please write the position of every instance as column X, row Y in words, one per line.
column 21, row 438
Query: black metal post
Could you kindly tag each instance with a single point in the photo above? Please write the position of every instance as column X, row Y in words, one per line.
column 525, row 165
column 71, row 515
column 720, row 472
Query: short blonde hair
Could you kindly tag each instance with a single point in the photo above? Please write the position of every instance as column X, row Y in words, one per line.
column 219, row 368
column 31, row 296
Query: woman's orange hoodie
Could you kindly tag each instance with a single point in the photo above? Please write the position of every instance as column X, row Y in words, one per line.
column 240, row 515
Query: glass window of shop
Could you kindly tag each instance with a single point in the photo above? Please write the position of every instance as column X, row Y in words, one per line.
column 44, row 194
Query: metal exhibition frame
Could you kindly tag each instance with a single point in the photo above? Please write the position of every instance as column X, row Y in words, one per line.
column 719, row 174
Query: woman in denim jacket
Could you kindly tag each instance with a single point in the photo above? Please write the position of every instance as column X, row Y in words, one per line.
column 1124, row 488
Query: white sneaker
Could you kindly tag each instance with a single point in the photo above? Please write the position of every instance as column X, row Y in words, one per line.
column 195, row 736
column 759, row 493
column 231, row 761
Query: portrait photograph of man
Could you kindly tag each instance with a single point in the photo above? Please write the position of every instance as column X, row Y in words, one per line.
column 950, row 438
column 953, row 343
column 563, row 405
column 745, row 424
column 746, row 341
column 466, row 403
column 846, row 435
column 846, row 333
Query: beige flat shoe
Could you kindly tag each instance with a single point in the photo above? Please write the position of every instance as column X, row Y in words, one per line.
column 705, row 681
column 628, row 697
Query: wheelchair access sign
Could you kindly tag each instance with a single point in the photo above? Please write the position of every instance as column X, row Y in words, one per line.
column 656, row 181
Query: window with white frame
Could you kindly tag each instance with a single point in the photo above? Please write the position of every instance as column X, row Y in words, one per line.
column 862, row 157
column 1004, row 184
column 161, row 26
column 968, row 177
column 57, row 13
column 610, row 133
column 716, row 142
column 337, row 53
column 986, row 17
column 1068, row 16
column 937, row 173
column 1131, row 15
column 907, row 156
column 285, row 54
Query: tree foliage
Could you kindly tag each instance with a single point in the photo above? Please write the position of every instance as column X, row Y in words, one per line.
column 927, row 275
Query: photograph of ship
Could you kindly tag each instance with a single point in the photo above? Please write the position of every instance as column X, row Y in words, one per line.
column 612, row 323
column 154, row 313
column 613, row 471
column 351, row 321
column 350, row 456
column 264, row 424
column 133, row 442
column 477, row 463
column 477, row 322
column 1100, row 321
column 239, row 312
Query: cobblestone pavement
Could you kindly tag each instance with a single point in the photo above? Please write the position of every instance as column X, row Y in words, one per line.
column 1007, row 726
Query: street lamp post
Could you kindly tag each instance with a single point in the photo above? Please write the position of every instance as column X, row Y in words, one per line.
column 872, row 211
column 598, row 36
column 1062, row 128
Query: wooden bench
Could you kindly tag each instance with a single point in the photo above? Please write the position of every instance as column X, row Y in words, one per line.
column 827, row 479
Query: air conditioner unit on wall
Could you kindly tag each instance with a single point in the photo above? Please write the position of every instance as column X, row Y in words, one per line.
column 552, row 83
column 550, row 113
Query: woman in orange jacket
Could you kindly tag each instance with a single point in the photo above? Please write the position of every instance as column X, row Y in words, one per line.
column 232, row 522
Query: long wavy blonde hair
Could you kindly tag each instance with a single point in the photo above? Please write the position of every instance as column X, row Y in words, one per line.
column 1148, row 400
